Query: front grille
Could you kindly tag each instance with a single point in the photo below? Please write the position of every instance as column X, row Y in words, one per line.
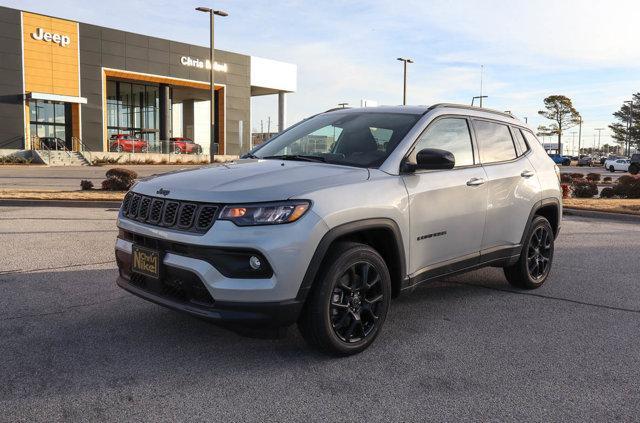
column 181, row 215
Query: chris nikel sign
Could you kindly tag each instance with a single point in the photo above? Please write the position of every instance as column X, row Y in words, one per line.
column 49, row 37
column 206, row 64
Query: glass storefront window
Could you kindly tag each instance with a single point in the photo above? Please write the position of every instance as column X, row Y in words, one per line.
column 133, row 109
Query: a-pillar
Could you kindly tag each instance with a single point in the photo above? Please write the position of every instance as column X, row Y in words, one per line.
column 282, row 111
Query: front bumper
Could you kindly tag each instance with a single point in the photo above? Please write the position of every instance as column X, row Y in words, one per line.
column 200, row 284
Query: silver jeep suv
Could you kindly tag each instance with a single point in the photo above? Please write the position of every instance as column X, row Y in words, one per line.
column 327, row 222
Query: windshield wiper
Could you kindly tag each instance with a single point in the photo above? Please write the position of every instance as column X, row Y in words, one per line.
column 249, row 156
column 299, row 157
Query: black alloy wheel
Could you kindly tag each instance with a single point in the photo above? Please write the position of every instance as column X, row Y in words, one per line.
column 347, row 306
column 539, row 253
column 534, row 264
column 356, row 302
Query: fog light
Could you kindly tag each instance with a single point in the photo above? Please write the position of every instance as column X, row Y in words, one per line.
column 254, row 262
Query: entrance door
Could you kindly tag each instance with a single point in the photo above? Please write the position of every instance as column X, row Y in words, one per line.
column 49, row 119
column 447, row 207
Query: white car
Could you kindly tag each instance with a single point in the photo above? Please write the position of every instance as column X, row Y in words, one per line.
column 614, row 165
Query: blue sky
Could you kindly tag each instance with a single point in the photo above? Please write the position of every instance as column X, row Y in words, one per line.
column 346, row 50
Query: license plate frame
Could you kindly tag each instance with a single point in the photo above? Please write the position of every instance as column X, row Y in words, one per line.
column 146, row 261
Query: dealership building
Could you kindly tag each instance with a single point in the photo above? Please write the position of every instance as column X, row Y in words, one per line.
column 87, row 85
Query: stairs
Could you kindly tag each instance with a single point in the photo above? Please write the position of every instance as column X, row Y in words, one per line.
column 62, row 158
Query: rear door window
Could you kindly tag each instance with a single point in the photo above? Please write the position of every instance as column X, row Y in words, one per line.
column 521, row 144
column 494, row 142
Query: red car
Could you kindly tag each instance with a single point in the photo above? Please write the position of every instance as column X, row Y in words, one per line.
column 181, row 145
column 123, row 143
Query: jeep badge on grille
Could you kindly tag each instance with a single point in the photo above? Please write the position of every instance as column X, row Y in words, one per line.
column 163, row 191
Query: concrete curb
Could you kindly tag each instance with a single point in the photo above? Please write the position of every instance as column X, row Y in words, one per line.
column 568, row 211
column 60, row 203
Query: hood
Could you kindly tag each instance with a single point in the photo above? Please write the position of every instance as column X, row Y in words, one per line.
column 249, row 181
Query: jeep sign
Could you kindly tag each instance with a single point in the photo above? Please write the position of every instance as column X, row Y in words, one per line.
column 42, row 35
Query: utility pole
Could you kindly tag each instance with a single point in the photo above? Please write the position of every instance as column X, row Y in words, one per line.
column 599, row 135
column 269, row 127
column 579, row 136
column 481, row 77
column 212, row 14
column 526, row 120
column 261, row 130
column 404, row 86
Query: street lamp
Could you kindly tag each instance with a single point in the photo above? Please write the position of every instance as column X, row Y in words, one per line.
column 630, row 123
column 404, row 88
column 599, row 134
column 212, row 13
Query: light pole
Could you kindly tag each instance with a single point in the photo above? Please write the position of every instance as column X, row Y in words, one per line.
column 473, row 99
column 212, row 13
column 404, row 88
column 630, row 125
column 579, row 136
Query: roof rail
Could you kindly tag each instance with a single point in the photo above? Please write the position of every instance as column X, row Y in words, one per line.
column 336, row 108
column 464, row 106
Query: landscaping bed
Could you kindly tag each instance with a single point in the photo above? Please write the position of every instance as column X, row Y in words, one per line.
column 613, row 205
column 93, row 195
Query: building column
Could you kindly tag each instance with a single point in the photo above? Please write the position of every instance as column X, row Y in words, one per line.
column 282, row 111
column 165, row 112
column 188, row 119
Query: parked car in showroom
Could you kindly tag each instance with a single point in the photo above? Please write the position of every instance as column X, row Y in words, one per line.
column 585, row 160
column 634, row 165
column 327, row 236
column 615, row 165
column 182, row 145
column 123, row 143
column 561, row 160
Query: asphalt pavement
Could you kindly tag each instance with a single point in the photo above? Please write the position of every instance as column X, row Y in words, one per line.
column 75, row 347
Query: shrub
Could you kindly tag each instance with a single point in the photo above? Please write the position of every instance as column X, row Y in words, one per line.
column 113, row 184
column 584, row 189
column 566, row 178
column 105, row 160
column 593, row 177
column 15, row 160
column 566, row 190
column 119, row 179
column 607, row 179
column 577, row 175
column 607, row 192
column 86, row 185
column 627, row 187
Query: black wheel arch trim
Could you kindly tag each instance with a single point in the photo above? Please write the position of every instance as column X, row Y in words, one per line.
column 347, row 229
column 551, row 201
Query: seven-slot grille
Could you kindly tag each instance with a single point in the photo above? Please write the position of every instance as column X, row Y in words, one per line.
column 182, row 215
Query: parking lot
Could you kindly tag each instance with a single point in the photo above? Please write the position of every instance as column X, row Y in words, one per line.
column 75, row 347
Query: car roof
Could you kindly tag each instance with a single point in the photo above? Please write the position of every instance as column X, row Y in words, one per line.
column 421, row 110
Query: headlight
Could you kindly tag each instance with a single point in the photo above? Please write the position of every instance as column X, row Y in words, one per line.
column 265, row 213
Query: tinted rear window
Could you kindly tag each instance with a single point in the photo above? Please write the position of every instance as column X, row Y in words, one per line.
column 494, row 142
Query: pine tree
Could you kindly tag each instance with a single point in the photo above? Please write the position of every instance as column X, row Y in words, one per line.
column 619, row 128
column 560, row 110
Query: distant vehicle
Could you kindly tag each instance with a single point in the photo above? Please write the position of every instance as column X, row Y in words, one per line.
column 181, row 145
column 123, row 143
column 603, row 159
column 634, row 166
column 561, row 160
column 614, row 165
column 585, row 161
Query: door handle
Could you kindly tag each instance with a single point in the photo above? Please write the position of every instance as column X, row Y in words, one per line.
column 527, row 174
column 474, row 182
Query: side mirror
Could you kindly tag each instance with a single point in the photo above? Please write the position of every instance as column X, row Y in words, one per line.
column 431, row 159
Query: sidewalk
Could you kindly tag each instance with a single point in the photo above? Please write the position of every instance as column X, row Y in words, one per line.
column 68, row 178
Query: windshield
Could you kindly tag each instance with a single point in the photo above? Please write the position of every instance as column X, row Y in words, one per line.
column 356, row 139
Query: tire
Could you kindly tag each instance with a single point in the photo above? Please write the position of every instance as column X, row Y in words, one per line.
column 177, row 150
column 341, row 317
column 612, row 169
column 634, row 169
column 538, row 248
column 119, row 148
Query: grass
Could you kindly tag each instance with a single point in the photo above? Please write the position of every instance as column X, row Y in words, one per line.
column 92, row 195
column 612, row 205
